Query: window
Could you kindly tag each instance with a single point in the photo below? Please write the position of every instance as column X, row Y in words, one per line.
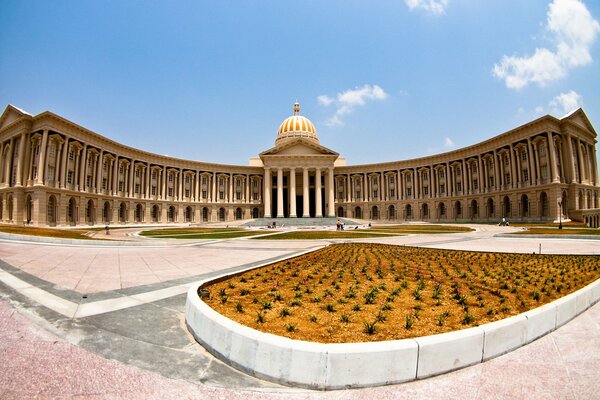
column 104, row 183
column 170, row 191
column 475, row 184
column 170, row 177
column 238, row 195
column 90, row 162
column 154, row 175
column 187, row 179
column 204, row 180
column 50, row 176
column 505, row 158
column 221, row 195
column 375, row 193
column 491, row 181
column 425, row 177
column 221, row 181
column 408, row 191
column 544, row 171
column 120, row 186
column 473, row 168
column 442, row 188
column 153, row 190
column 88, row 181
column 542, row 149
column 187, row 192
column 254, row 196
column 408, row 178
column 441, row 174
column 392, row 192
column 457, row 171
column 524, row 156
column 138, row 173
column 137, row 188
column 525, row 175
column 507, row 179
column 105, row 165
column 238, row 183
column 70, row 177
column 458, row 186
column 71, row 155
column 426, row 190
column 204, row 194
column 255, row 184
column 52, row 150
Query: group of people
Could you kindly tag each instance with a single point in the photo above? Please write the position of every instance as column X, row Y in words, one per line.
column 339, row 226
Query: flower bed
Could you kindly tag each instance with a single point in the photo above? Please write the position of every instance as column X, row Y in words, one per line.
column 372, row 292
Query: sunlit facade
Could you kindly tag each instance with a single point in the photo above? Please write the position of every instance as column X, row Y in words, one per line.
column 54, row 172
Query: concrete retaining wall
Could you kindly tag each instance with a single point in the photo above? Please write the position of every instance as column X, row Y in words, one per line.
column 345, row 365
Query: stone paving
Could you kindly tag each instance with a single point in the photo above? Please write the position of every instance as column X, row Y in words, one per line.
column 125, row 336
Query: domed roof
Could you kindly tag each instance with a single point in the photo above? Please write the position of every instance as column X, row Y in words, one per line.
column 296, row 126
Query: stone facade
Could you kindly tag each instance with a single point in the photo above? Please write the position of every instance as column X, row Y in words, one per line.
column 56, row 173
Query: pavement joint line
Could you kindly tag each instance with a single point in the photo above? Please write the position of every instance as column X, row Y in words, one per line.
column 74, row 310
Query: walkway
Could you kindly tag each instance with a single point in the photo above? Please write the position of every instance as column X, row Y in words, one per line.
column 117, row 323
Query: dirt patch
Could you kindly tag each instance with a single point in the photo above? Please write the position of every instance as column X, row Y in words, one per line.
column 373, row 292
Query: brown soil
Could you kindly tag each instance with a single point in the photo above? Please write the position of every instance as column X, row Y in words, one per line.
column 336, row 294
column 32, row 231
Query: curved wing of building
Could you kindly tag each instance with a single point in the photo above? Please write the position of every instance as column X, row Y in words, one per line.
column 54, row 172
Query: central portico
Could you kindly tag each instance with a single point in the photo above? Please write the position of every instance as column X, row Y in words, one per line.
column 298, row 172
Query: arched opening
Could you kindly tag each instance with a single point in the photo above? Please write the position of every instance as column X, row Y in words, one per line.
column 506, row 207
column 139, row 213
column 221, row 214
column 340, row 212
column 357, row 212
column 474, row 209
column 458, row 210
column 544, row 209
column 425, row 211
column 205, row 214
column 254, row 212
column 189, row 214
column 90, row 212
column 51, row 211
column 28, row 208
column 171, row 214
column 524, row 206
column 106, row 213
column 408, row 212
column 238, row 213
column 375, row 212
column 491, row 212
column 155, row 212
column 392, row 212
column 123, row 213
column 71, row 209
column 441, row 211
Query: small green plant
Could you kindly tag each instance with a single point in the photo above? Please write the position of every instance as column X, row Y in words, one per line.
column 386, row 307
column 370, row 327
column 239, row 308
column 266, row 305
column 468, row 319
column 295, row 303
column 442, row 318
column 330, row 308
column 224, row 299
column 356, row 307
column 284, row 312
column 380, row 317
column 417, row 294
column 244, row 292
column 345, row 318
column 260, row 317
column 313, row 318
column 535, row 295
column 410, row 319
column 291, row 327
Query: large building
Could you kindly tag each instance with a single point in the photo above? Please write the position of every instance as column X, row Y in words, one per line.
column 54, row 172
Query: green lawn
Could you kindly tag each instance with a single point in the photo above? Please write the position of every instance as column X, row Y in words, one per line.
column 49, row 232
column 313, row 235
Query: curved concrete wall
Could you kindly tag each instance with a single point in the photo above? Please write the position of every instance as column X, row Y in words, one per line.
column 345, row 365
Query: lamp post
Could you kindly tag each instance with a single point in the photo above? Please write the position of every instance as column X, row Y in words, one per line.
column 559, row 214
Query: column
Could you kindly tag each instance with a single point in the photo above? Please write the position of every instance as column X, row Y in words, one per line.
column 449, row 189
column 197, row 187
column 22, row 139
column 292, row 192
column 280, row 193
column 532, row 176
column 318, row 199
column 537, row 164
column 480, row 176
column 41, row 161
column 552, row 153
column 569, row 159
column 305, row 194
column 331, row 193
column 414, row 183
column 148, row 180
column 594, row 165
column 348, row 189
column 267, row 194
column 115, row 182
column 131, row 177
column 231, row 196
column 99, row 165
column 247, row 198
column 581, row 163
column 213, row 195
column 434, row 182
column 400, row 189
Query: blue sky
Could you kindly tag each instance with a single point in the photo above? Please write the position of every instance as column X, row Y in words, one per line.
column 381, row 81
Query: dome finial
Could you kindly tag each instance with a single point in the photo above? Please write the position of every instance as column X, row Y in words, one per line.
column 296, row 108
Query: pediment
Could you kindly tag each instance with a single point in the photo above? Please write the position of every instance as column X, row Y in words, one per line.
column 298, row 147
column 10, row 115
column 579, row 118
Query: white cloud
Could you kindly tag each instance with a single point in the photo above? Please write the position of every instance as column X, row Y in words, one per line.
column 566, row 102
column 539, row 110
column 348, row 100
column 430, row 6
column 573, row 31
column 448, row 143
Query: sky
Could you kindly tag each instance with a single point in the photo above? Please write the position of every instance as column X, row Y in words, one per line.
column 381, row 80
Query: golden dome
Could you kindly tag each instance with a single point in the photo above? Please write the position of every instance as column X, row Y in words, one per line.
column 296, row 126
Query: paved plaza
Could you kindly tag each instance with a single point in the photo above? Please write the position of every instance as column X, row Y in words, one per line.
column 103, row 321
